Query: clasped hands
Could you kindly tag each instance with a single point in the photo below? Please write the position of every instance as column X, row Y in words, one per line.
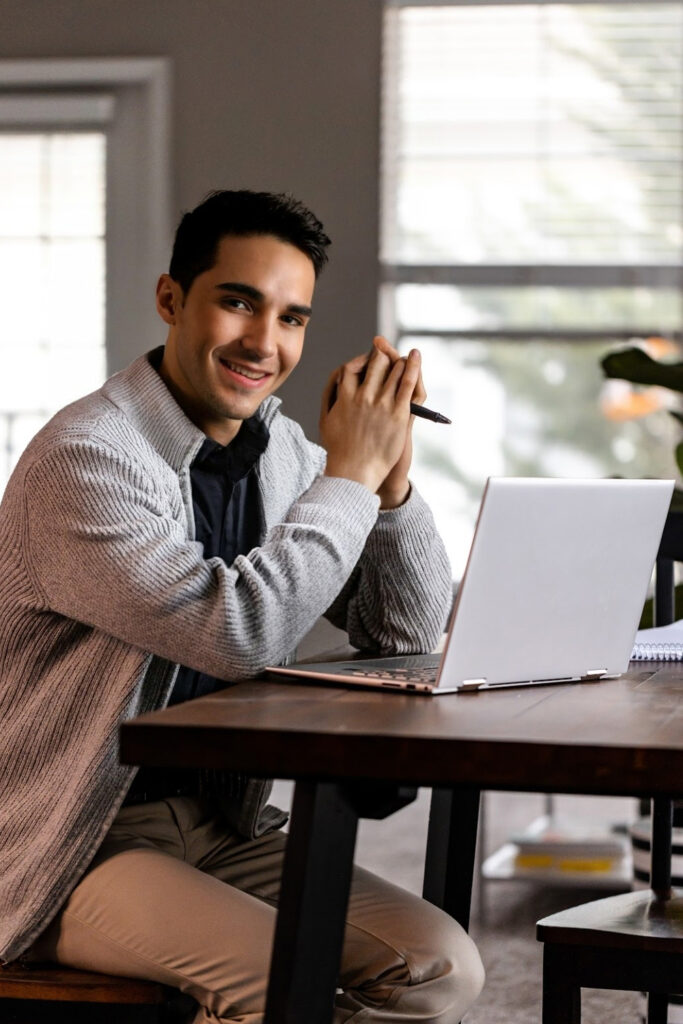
column 365, row 420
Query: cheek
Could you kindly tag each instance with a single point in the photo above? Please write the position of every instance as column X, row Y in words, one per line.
column 290, row 355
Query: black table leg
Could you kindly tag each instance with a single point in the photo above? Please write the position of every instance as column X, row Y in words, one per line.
column 312, row 911
column 314, row 895
column 451, row 845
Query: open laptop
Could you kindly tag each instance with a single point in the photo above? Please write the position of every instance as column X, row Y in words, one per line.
column 553, row 590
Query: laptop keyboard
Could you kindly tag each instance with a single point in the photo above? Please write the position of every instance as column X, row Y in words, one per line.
column 403, row 675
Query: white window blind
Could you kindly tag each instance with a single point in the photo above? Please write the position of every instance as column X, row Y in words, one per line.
column 52, row 259
column 532, row 216
column 534, row 133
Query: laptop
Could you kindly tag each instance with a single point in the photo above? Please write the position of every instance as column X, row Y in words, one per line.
column 553, row 590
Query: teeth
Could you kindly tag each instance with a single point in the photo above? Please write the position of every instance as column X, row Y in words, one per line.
column 251, row 374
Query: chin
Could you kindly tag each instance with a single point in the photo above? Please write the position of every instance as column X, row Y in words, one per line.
column 239, row 410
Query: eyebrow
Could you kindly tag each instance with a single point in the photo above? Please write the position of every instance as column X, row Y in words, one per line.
column 250, row 292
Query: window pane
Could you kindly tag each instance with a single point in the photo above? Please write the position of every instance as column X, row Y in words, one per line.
column 20, row 181
column 534, row 133
column 52, row 255
column 536, row 409
column 444, row 308
column 74, row 193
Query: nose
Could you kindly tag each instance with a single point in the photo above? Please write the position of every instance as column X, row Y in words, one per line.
column 259, row 339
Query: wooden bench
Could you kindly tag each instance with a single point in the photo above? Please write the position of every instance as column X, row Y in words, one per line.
column 43, row 983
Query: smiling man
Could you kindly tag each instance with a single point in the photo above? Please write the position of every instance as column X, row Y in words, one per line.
column 169, row 532
column 237, row 332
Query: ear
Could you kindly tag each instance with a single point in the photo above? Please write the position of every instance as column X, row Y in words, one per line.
column 169, row 299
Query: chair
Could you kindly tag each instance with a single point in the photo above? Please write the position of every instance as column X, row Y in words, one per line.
column 633, row 941
column 48, row 992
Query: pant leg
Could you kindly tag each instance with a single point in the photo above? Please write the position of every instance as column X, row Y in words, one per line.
column 156, row 905
column 144, row 911
column 403, row 959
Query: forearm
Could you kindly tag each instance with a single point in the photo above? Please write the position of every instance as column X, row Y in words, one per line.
column 399, row 597
column 109, row 555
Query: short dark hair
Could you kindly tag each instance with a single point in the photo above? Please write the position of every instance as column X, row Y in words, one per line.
column 243, row 212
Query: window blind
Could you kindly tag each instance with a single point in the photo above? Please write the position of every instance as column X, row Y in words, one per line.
column 533, row 134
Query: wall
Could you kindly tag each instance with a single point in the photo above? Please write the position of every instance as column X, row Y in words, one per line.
column 267, row 94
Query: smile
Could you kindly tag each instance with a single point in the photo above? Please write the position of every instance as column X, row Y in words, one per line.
column 242, row 371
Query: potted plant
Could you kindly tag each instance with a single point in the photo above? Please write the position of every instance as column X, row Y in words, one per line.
column 633, row 364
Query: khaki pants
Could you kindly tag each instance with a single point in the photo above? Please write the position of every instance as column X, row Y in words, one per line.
column 174, row 897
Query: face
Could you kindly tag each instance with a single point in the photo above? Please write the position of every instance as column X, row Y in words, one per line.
column 238, row 332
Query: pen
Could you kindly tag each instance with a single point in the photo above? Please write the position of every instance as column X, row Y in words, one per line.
column 428, row 414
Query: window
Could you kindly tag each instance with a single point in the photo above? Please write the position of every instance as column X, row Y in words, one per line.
column 52, row 270
column 83, row 227
column 532, row 219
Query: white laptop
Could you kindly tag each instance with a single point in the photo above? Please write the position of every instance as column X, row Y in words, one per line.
column 553, row 590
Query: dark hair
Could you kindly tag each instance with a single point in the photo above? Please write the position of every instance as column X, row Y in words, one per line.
column 241, row 213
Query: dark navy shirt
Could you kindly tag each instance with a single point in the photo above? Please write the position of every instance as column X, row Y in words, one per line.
column 227, row 516
column 228, row 522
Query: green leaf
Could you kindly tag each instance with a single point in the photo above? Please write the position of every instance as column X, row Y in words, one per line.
column 638, row 367
column 679, row 457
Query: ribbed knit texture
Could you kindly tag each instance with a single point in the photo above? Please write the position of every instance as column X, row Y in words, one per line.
column 104, row 592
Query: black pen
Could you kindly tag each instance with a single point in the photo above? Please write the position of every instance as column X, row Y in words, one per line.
column 428, row 414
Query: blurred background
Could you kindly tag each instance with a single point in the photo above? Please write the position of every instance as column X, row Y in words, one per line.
column 503, row 184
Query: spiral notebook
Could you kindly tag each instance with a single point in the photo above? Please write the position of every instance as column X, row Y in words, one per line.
column 663, row 643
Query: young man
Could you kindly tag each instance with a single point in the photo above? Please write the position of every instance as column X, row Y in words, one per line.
column 176, row 518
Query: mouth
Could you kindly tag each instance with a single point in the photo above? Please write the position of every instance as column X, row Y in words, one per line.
column 245, row 375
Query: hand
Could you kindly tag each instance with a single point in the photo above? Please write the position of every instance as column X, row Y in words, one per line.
column 396, row 487
column 365, row 420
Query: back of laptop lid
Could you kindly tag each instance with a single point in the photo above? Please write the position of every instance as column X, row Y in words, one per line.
column 556, row 579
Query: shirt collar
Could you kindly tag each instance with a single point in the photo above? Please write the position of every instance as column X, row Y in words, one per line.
column 140, row 393
column 237, row 457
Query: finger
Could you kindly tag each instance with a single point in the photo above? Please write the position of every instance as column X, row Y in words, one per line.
column 352, row 373
column 358, row 363
column 329, row 392
column 378, row 367
column 420, row 392
column 393, row 381
column 410, row 378
column 380, row 342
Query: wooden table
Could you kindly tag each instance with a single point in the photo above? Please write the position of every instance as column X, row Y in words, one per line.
column 360, row 753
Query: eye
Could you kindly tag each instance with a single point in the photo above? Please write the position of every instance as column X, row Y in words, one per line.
column 292, row 321
column 233, row 302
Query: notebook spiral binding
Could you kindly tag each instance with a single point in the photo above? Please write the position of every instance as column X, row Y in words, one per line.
column 657, row 652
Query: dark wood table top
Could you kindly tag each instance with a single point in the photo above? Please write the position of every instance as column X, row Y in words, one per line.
column 615, row 737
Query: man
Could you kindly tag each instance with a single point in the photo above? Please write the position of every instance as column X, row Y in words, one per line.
column 176, row 518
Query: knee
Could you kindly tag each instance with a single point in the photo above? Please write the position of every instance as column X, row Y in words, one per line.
column 447, row 973
column 466, row 975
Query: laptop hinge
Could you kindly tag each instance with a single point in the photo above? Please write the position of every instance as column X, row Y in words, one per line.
column 593, row 675
column 472, row 684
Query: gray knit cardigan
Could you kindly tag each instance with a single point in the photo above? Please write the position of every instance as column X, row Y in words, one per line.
column 104, row 591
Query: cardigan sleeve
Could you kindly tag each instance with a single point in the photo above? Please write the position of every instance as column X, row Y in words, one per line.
column 104, row 546
column 399, row 596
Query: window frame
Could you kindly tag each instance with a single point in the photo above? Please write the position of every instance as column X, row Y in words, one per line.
column 138, row 222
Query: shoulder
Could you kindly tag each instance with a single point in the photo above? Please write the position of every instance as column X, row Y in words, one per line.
column 88, row 441
column 91, row 423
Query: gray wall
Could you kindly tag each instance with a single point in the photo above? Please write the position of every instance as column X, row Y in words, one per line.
column 271, row 94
